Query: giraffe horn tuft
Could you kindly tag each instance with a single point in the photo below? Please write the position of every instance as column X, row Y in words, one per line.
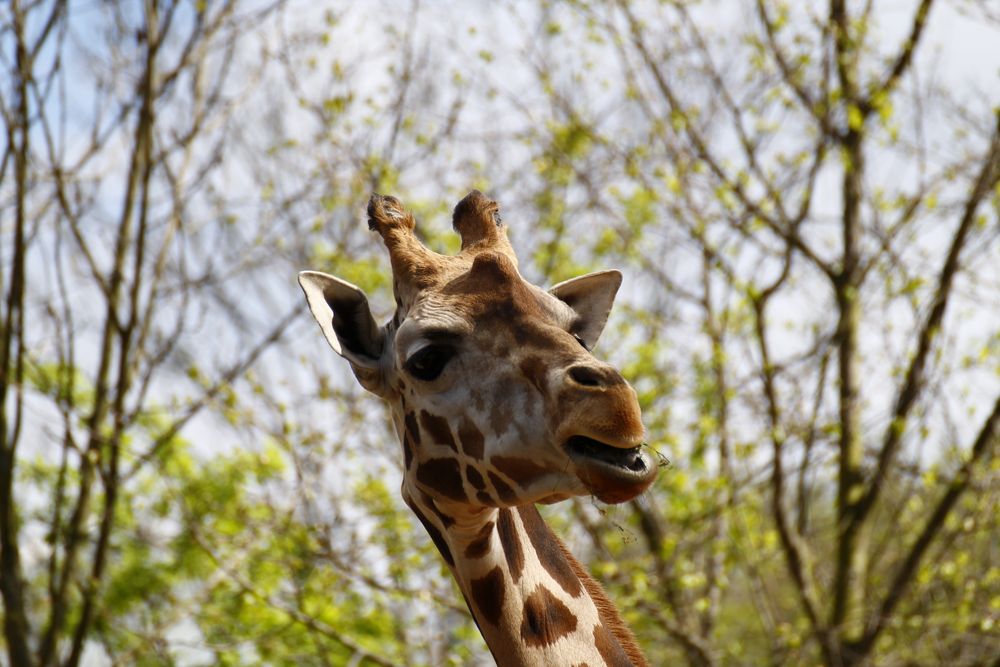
column 412, row 264
column 477, row 220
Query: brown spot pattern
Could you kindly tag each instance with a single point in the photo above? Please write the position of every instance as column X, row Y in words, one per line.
column 488, row 594
column 546, row 619
column 443, row 476
column 475, row 479
column 438, row 429
column 407, row 450
column 485, row 498
column 505, row 493
column 445, row 520
column 533, row 369
column 608, row 613
column 511, row 543
column 502, row 408
column 549, row 550
column 436, row 536
column 480, row 544
column 522, row 471
column 609, row 648
column 411, row 427
column 471, row 438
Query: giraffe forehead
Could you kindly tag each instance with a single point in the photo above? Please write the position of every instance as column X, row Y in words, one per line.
column 493, row 305
column 492, row 293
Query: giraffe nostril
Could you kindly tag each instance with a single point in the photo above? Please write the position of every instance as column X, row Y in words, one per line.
column 586, row 376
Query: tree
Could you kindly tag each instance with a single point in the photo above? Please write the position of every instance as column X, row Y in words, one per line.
column 114, row 123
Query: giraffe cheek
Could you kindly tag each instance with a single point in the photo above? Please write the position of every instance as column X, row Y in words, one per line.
column 411, row 428
column 475, row 478
column 437, row 430
column 505, row 408
column 473, row 443
column 506, row 494
column 523, row 470
column 442, row 477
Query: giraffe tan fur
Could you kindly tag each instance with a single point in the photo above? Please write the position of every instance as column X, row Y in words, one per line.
column 499, row 405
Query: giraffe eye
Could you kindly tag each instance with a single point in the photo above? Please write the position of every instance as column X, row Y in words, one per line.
column 428, row 362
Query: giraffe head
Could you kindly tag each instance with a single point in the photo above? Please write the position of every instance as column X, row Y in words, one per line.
column 494, row 392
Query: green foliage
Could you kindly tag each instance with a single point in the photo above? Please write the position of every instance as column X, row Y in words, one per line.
column 241, row 568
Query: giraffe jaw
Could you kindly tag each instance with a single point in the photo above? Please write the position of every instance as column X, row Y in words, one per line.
column 613, row 474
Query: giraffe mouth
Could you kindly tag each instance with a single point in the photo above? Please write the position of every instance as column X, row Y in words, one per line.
column 612, row 474
column 595, row 451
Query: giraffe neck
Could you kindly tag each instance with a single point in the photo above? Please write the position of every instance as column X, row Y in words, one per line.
column 533, row 602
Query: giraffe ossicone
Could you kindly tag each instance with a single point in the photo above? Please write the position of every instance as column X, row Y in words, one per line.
column 499, row 404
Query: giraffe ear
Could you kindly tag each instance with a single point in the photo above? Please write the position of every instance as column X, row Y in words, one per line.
column 591, row 297
column 342, row 311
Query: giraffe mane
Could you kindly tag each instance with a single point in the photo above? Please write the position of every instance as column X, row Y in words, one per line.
column 606, row 609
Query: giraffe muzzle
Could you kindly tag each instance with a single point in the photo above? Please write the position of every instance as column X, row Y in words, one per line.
column 630, row 459
column 613, row 474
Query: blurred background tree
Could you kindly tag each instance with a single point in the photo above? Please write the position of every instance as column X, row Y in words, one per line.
column 804, row 198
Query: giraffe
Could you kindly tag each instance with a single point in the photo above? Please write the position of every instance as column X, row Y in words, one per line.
column 499, row 405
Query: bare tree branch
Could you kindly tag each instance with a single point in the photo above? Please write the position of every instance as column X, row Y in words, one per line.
column 16, row 628
column 983, row 450
column 914, row 383
column 790, row 235
column 797, row 557
column 903, row 59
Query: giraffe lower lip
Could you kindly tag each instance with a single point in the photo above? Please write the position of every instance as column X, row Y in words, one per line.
column 631, row 460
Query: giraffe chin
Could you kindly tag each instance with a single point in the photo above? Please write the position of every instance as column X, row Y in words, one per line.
column 612, row 474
